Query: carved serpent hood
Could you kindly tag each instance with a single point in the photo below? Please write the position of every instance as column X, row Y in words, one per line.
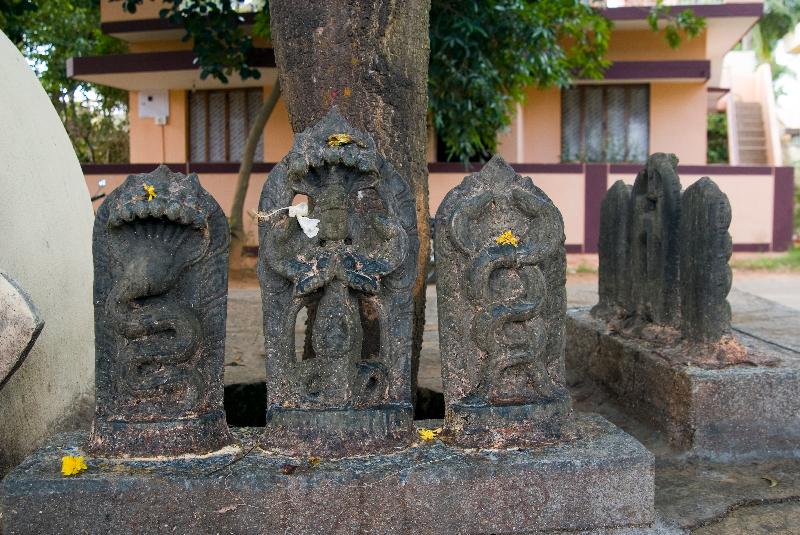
column 160, row 246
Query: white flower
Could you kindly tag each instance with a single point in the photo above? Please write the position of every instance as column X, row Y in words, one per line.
column 300, row 209
column 309, row 225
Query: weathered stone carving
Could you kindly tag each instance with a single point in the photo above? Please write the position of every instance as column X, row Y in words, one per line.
column 350, row 390
column 654, row 232
column 664, row 263
column 705, row 249
column 501, row 279
column 20, row 326
column 614, row 276
column 160, row 292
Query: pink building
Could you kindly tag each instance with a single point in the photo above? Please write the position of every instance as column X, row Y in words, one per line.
column 574, row 143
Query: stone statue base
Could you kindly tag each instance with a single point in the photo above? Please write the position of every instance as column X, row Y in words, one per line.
column 112, row 438
column 338, row 433
column 601, row 480
column 487, row 426
column 748, row 410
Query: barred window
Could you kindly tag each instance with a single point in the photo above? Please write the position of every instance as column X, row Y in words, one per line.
column 605, row 123
column 219, row 122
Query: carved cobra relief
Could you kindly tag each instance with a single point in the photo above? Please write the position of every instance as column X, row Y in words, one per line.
column 500, row 269
column 507, row 289
column 160, row 247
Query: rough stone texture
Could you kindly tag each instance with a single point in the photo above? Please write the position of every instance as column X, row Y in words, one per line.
column 369, row 58
column 20, row 325
column 654, row 242
column 614, row 274
column 600, row 481
column 705, row 248
column 349, row 392
column 501, row 310
column 160, row 307
column 733, row 413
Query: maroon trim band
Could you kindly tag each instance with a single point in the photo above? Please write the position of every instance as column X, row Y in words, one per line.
column 783, row 209
column 456, row 167
column 152, row 25
column 755, row 9
column 175, row 60
column 709, row 170
column 596, row 184
column 190, row 167
column 655, row 70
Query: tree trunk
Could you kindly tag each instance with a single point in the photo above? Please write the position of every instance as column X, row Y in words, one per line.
column 370, row 58
column 243, row 181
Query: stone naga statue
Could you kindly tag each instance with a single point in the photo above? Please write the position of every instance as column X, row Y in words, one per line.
column 501, row 279
column 349, row 392
column 160, row 292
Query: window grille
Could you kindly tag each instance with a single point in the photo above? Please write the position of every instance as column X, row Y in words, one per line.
column 219, row 122
column 605, row 123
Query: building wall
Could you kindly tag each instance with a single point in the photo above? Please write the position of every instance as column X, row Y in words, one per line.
column 542, row 126
column 159, row 143
column 678, row 115
column 752, row 193
column 644, row 44
column 111, row 11
column 677, row 123
column 169, row 143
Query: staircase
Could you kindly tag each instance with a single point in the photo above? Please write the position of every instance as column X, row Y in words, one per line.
column 750, row 133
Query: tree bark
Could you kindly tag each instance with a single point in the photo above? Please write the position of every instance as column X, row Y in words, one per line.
column 369, row 58
column 236, row 219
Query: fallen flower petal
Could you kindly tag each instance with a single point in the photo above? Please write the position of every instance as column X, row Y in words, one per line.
column 150, row 191
column 71, row 465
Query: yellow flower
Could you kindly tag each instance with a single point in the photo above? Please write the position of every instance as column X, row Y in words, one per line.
column 337, row 140
column 151, row 192
column 429, row 434
column 507, row 238
column 72, row 465
column 314, row 461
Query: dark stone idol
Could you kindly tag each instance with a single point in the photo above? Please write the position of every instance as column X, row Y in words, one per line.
column 160, row 292
column 706, row 247
column 348, row 390
column 501, row 281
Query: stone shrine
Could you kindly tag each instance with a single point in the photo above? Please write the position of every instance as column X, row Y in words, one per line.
column 660, row 338
column 339, row 453
column 350, row 390
column 501, row 288
column 160, row 294
column 614, row 286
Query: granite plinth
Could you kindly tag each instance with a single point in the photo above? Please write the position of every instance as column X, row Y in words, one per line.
column 601, row 481
column 732, row 413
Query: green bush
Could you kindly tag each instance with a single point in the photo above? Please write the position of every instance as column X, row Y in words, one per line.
column 717, row 151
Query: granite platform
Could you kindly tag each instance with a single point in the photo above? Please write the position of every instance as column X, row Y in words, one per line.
column 601, row 481
column 735, row 413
